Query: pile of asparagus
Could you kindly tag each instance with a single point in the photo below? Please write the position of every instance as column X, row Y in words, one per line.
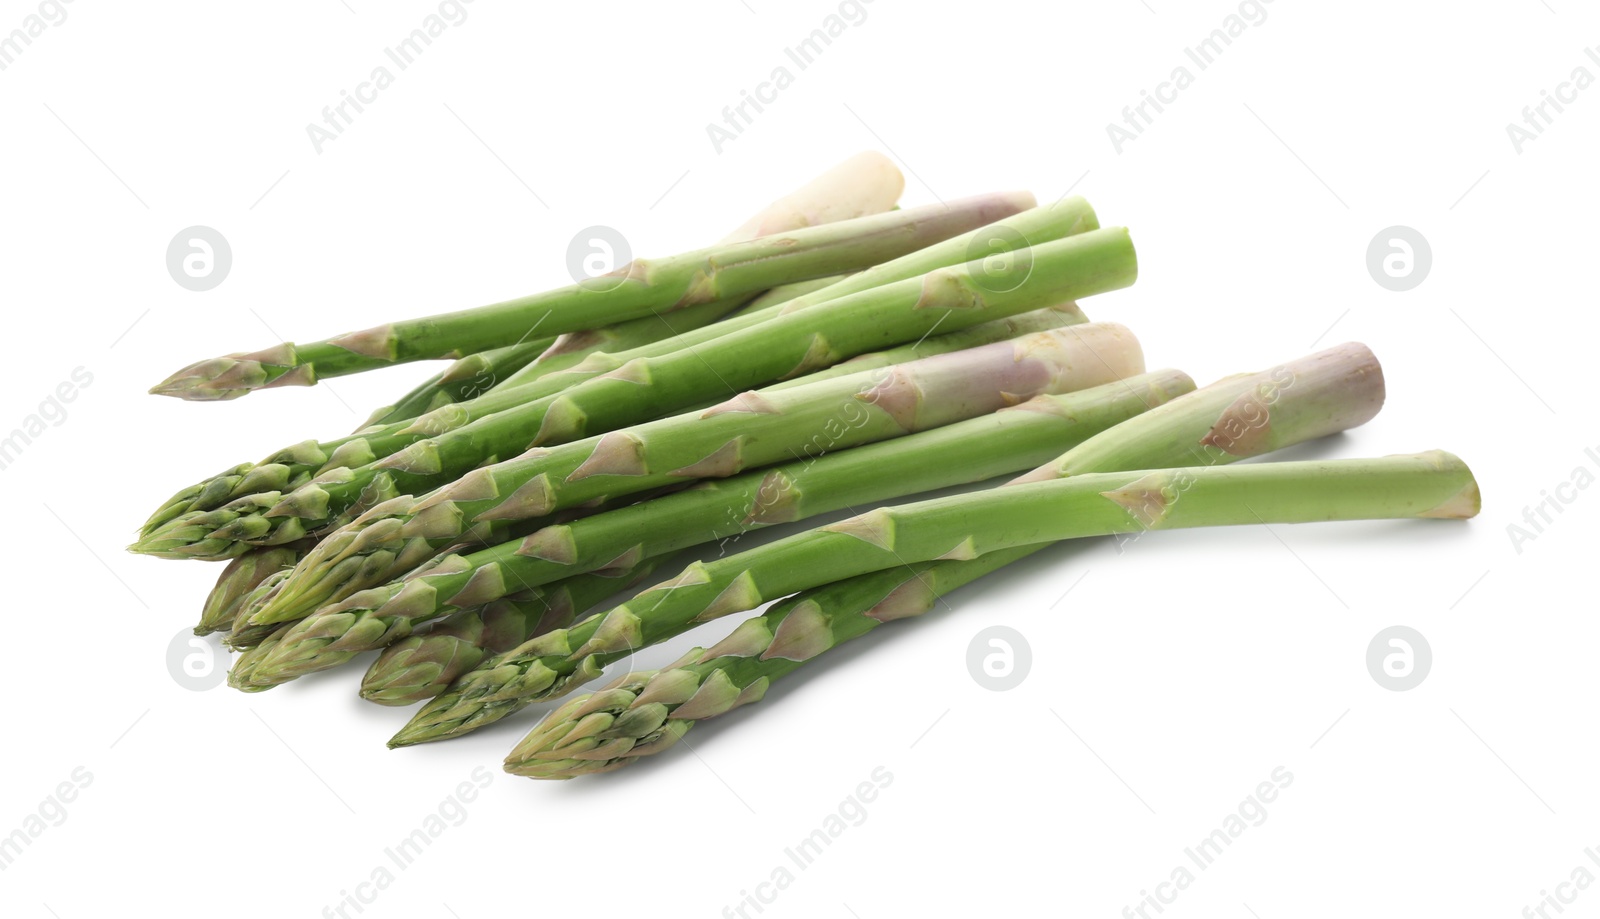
column 834, row 353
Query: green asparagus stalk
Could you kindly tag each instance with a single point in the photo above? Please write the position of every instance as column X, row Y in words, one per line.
column 635, row 290
column 241, row 577
column 751, row 430
column 1238, row 416
column 1434, row 484
column 419, row 666
column 786, row 346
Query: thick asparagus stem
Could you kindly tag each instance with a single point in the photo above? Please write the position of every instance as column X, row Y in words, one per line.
column 1238, row 416
column 751, row 430
column 638, row 289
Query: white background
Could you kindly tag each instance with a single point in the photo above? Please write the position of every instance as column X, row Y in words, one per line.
column 1168, row 684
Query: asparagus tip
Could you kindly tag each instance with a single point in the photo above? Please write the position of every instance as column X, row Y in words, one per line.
column 213, row 380
column 417, row 668
column 601, row 731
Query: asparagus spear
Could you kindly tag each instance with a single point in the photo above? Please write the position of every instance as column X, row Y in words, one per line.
column 1433, row 484
column 638, row 289
column 789, row 345
column 419, row 666
column 1238, row 416
column 750, row 430
column 240, row 578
